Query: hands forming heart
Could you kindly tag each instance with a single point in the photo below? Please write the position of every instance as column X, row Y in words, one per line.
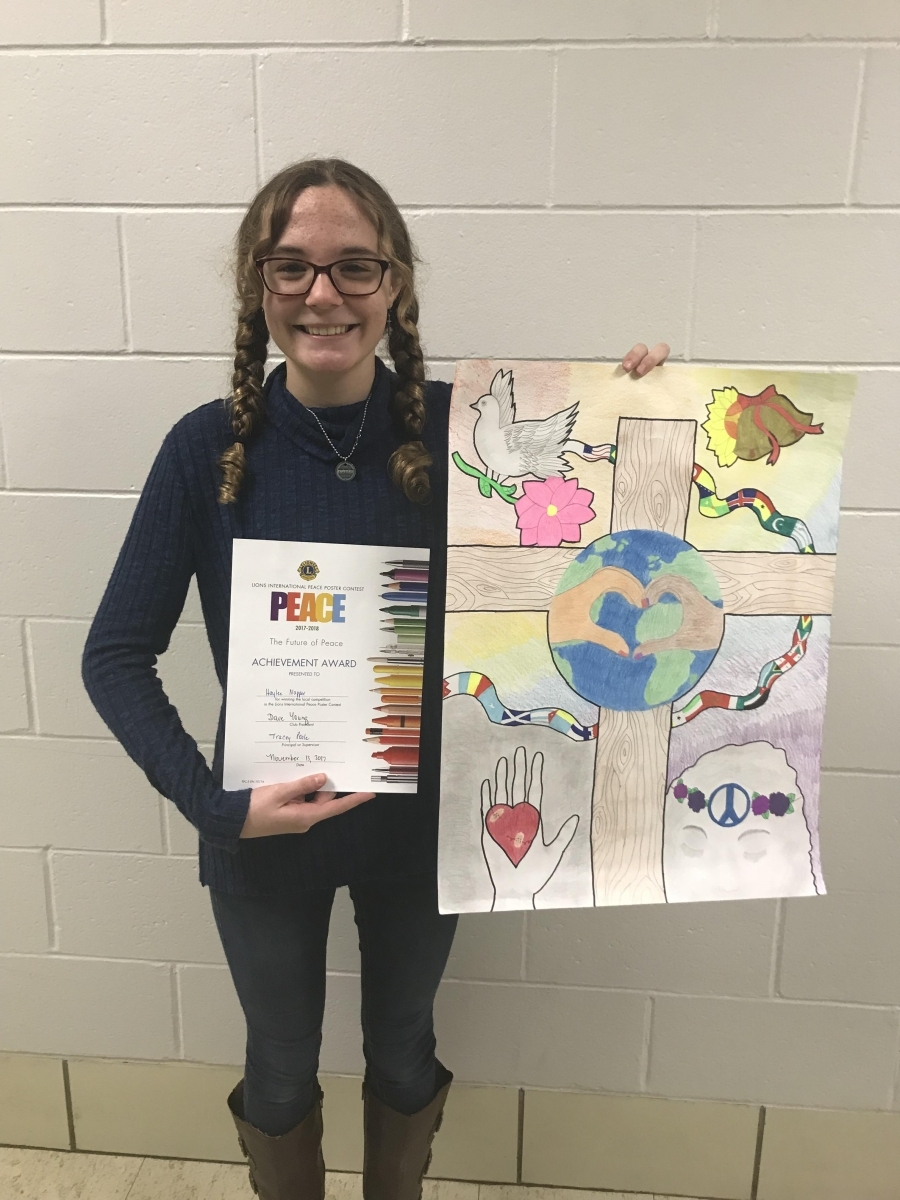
column 518, row 859
column 569, row 618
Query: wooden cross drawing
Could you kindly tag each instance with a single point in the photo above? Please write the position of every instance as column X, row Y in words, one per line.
column 651, row 490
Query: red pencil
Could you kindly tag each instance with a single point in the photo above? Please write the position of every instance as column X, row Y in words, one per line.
column 397, row 756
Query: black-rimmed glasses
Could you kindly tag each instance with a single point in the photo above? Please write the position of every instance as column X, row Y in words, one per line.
column 349, row 276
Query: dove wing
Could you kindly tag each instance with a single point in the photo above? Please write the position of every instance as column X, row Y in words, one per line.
column 558, row 426
column 502, row 391
column 538, row 444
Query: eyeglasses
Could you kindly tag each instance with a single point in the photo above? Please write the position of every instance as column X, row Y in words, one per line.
column 349, row 276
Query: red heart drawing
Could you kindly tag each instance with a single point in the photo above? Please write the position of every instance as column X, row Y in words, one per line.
column 513, row 828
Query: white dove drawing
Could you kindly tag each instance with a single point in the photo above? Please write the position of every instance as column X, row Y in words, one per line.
column 510, row 448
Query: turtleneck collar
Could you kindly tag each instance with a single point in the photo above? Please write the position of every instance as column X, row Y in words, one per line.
column 342, row 421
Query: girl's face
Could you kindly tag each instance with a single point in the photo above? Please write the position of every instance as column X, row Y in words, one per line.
column 324, row 332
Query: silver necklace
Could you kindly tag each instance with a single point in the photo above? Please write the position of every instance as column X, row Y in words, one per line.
column 345, row 469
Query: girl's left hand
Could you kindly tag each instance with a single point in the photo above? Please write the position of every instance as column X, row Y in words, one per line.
column 640, row 360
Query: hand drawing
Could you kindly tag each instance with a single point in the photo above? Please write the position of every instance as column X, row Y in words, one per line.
column 518, row 859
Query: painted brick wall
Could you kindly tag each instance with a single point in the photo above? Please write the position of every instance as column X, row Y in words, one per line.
column 724, row 175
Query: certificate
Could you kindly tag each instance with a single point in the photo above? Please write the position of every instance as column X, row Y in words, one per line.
column 325, row 659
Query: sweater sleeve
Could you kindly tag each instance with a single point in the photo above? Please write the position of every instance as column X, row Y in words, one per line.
column 132, row 627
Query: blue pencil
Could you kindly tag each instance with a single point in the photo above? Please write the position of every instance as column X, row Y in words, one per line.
column 418, row 598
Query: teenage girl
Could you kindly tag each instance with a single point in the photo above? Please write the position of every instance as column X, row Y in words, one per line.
column 331, row 447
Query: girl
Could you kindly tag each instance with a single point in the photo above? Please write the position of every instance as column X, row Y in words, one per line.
column 331, row 447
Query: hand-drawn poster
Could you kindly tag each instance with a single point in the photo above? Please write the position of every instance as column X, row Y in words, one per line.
column 639, row 584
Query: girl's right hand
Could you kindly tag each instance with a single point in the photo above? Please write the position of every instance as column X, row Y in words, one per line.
column 284, row 807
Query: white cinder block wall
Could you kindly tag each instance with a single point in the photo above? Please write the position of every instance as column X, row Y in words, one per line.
column 723, row 175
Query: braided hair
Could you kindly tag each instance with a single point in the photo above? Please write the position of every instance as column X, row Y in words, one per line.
column 259, row 231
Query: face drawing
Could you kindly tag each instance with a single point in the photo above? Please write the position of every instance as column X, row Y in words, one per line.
column 735, row 829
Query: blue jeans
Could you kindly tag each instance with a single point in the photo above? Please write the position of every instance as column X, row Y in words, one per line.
column 275, row 947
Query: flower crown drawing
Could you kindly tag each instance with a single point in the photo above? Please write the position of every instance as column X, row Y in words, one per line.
column 776, row 804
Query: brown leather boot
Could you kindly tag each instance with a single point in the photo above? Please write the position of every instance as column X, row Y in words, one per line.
column 287, row 1167
column 398, row 1148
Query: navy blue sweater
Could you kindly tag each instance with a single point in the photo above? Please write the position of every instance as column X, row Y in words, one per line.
column 290, row 493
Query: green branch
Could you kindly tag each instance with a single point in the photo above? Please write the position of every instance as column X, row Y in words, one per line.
column 506, row 491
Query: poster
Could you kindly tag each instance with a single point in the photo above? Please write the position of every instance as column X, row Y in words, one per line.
column 640, row 579
column 325, row 660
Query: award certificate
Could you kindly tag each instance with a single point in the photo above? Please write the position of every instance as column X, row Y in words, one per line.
column 325, row 657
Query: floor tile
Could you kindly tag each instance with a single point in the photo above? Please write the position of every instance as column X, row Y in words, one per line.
column 340, row 1186
column 33, row 1174
column 175, row 1179
column 62, row 1175
column 513, row 1192
column 449, row 1189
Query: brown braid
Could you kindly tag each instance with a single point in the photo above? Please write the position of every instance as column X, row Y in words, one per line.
column 245, row 406
column 408, row 465
column 260, row 230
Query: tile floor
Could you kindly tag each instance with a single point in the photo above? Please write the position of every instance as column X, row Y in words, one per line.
column 27, row 1174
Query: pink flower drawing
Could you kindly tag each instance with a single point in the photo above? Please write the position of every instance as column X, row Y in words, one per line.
column 552, row 511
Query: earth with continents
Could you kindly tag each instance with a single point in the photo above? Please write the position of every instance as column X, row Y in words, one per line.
column 636, row 619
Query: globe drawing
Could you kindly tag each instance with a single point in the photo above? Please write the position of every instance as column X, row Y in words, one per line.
column 636, row 619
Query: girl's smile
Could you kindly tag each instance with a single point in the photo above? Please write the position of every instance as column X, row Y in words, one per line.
column 327, row 338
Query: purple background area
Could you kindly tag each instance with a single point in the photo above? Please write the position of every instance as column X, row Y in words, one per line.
column 792, row 717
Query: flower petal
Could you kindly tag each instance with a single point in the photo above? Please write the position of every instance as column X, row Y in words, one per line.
column 529, row 517
column 537, row 491
column 582, row 496
column 571, row 533
column 577, row 512
column 549, row 531
column 528, row 537
column 565, row 492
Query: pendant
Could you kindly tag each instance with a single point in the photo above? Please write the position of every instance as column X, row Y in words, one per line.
column 345, row 471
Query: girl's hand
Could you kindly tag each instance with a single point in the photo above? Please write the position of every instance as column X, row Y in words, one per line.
column 283, row 807
column 640, row 360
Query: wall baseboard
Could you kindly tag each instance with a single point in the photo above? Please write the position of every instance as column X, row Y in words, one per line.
column 491, row 1134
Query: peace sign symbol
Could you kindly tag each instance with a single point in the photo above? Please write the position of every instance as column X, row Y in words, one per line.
column 729, row 816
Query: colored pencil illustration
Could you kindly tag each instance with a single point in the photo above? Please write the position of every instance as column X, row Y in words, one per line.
column 398, row 673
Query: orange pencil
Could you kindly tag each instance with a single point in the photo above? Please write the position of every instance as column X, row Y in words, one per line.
column 399, row 710
column 398, row 756
column 395, row 722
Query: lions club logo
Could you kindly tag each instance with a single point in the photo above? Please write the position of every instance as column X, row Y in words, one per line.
column 308, row 570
